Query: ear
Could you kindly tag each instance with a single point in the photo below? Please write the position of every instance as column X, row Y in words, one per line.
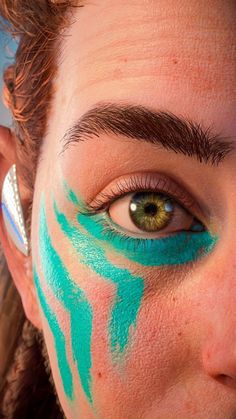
column 19, row 265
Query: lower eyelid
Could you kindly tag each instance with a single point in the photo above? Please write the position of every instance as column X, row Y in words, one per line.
column 179, row 249
column 110, row 227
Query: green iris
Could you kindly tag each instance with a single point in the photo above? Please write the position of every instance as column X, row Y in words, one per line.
column 151, row 211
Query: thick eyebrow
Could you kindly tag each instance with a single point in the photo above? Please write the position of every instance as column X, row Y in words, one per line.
column 160, row 128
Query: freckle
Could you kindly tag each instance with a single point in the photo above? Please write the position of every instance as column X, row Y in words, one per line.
column 174, row 299
column 99, row 374
column 179, row 333
column 175, row 61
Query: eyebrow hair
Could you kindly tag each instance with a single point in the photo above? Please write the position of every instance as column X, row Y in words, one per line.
column 160, row 128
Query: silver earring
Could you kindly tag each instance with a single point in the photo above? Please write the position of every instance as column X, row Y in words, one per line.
column 12, row 211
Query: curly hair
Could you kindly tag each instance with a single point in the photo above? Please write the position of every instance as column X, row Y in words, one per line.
column 39, row 27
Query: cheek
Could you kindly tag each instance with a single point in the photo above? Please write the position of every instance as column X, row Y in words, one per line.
column 115, row 346
column 150, row 364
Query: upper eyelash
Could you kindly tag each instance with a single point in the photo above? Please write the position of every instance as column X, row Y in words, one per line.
column 137, row 184
column 124, row 187
column 134, row 184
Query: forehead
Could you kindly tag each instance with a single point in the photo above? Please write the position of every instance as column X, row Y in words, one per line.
column 177, row 55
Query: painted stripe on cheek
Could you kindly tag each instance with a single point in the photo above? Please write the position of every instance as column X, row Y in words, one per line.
column 73, row 299
column 59, row 339
column 130, row 288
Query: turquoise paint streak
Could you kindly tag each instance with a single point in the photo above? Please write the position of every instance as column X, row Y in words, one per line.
column 59, row 340
column 130, row 287
column 177, row 249
column 73, row 299
column 71, row 196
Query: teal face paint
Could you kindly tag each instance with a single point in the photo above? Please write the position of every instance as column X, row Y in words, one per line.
column 130, row 287
column 75, row 302
column 90, row 242
column 59, row 340
column 71, row 196
column 180, row 248
column 177, row 249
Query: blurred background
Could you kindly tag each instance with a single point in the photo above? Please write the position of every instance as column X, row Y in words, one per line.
column 7, row 51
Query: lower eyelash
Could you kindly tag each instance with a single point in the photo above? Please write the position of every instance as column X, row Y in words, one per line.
column 132, row 244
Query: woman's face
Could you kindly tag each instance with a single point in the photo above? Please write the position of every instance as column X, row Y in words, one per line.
column 133, row 228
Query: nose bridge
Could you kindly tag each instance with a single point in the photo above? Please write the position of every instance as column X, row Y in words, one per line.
column 225, row 288
column 219, row 344
column 222, row 287
column 224, row 270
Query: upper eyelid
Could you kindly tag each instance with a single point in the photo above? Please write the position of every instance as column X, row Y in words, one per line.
column 184, row 199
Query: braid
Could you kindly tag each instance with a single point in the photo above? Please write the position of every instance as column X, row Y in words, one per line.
column 28, row 392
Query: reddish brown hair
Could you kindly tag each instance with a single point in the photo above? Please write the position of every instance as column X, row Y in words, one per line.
column 39, row 26
column 28, row 92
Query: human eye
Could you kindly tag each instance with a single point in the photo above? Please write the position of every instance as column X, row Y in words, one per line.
column 147, row 207
column 147, row 212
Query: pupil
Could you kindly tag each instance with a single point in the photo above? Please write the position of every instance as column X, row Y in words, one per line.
column 150, row 209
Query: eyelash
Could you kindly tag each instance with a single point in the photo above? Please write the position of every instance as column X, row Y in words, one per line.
column 134, row 184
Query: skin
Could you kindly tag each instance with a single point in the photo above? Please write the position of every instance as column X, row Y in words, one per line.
column 154, row 340
column 124, row 313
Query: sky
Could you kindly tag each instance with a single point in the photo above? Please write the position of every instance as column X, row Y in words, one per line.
column 7, row 50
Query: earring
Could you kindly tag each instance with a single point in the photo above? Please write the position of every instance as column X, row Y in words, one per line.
column 12, row 211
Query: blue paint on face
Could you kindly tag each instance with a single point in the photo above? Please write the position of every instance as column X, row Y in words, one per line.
column 130, row 288
column 177, row 249
column 59, row 339
column 73, row 299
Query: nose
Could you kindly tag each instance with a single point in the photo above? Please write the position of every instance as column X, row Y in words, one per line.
column 219, row 344
column 219, row 359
